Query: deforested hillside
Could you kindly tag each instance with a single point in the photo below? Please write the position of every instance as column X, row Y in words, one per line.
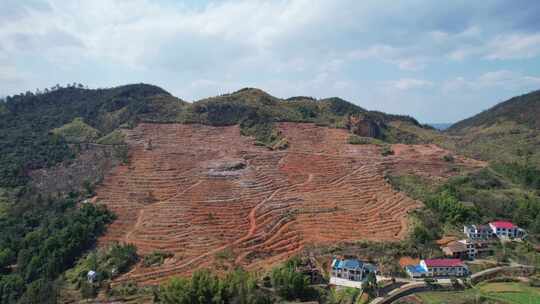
column 212, row 198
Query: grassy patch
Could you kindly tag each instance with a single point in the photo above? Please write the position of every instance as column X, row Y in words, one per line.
column 414, row 186
column 359, row 140
column 77, row 131
column 449, row 297
column 155, row 258
column 116, row 137
column 513, row 293
column 516, row 293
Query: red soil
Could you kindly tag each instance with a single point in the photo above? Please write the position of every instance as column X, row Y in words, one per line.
column 428, row 161
column 187, row 196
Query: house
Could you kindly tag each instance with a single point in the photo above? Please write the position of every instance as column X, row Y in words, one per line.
column 437, row 268
column 350, row 272
column 506, row 229
column 468, row 249
column 478, row 232
column 457, row 250
column 478, row 248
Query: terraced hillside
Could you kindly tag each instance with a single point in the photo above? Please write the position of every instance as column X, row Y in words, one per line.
column 202, row 192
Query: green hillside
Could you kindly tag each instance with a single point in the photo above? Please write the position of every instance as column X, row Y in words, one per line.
column 508, row 132
column 522, row 110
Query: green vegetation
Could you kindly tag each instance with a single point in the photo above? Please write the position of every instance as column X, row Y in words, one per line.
column 26, row 142
column 41, row 243
column 502, row 132
column 451, row 297
column 156, row 258
column 77, row 131
column 504, row 141
column 204, row 287
column 344, row 296
column 107, row 262
column 386, row 150
column 511, row 292
column 290, row 284
column 524, row 109
column 477, row 197
column 116, row 137
column 508, row 292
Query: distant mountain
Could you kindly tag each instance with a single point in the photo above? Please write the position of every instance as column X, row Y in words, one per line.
column 522, row 110
column 440, row 126
column 509, row 131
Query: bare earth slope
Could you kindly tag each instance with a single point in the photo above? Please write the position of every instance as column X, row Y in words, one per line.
column 198, row 191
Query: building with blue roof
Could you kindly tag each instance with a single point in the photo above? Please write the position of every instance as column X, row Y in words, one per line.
column 416, row 271
column 351, row 269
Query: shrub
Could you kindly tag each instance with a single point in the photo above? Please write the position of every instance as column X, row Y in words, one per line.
column 156, row 258
column 386, row 150
column 448, row 158
column 121, row 152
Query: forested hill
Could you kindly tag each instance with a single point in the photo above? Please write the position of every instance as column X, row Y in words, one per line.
column 524, row 109
column 27, row 121
column 508, row 132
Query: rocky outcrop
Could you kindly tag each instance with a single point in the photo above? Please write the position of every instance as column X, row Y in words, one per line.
column 364, row 126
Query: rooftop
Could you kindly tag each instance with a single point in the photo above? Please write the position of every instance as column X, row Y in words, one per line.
column 415, row 269
column 503, row 224
column 443, row 262
column 456, row 246
column 347, row 264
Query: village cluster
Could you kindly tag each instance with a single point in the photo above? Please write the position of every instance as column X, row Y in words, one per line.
column 479, row 241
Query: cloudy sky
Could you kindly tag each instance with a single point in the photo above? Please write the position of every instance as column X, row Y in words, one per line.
column 439, row 61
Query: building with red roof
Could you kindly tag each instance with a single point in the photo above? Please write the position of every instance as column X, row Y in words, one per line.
column 443, row 262
column 506, row 229
column 438, row 268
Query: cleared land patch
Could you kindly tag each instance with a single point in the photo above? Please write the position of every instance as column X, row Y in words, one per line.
column 198, row 191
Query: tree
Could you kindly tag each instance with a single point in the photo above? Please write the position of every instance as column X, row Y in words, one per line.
column 370, row 284
column 289, row 283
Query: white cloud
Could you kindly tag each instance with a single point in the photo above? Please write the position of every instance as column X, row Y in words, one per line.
column 508, row 46
column 410, row 83
column 401, row 57
column 514, row 46
column 502, row 79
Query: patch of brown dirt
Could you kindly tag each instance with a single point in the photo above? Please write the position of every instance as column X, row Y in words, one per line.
column 201, row 191
column 93, row 162
column 406, row 261
column 428, row 161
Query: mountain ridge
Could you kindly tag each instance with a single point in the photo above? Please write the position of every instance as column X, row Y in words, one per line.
column 522, row 109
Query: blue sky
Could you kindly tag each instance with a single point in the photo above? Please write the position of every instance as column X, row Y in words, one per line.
column 439, row 61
